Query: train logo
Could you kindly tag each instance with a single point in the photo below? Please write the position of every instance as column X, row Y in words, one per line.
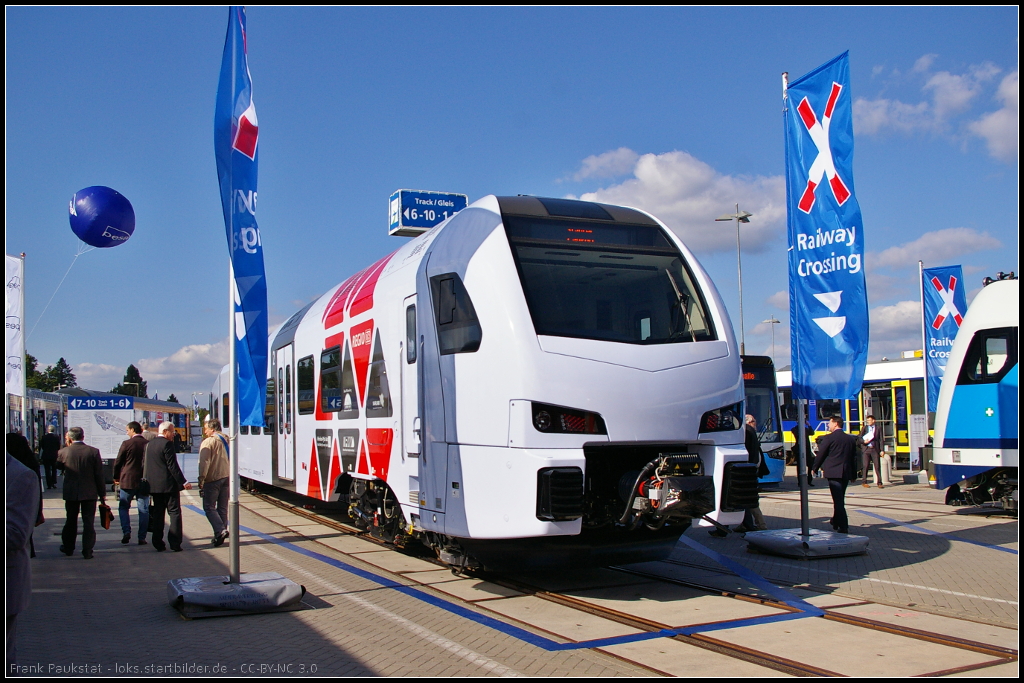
column 823, row 163
column 948, row 306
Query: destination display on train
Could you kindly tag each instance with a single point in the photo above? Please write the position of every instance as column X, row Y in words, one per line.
column 101, row 403
column 412, row 212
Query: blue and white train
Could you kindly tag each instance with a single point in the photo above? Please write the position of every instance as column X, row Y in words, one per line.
column 976, row 421
column 532, row 381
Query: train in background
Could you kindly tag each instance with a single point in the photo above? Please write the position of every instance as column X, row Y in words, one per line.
column 762, row 401
column 533, row 381
column 976, row 421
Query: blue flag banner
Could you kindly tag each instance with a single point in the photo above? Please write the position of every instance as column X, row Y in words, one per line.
column 828, row 303
column 236, row 134
column 944, row 305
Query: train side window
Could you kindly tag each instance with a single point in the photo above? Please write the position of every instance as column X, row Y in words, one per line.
column 288, row 399
column 458, row 329
column 243, row 429
column 410, row 334
column 227, row 411
column 349, row 401
column 307, row 385
column 270, row 413
column 330, row 381
column 378, row 395
column 990, row 356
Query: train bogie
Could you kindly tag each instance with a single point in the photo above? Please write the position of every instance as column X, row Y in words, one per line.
column 528, row 369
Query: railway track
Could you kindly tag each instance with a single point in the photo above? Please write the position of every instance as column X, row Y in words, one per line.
column 333, row 519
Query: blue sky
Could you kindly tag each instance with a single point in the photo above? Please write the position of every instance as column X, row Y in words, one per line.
column 674, row 110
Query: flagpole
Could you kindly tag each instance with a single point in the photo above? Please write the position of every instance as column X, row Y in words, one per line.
column 24, row 352
column 233, row 376
column 924, row 333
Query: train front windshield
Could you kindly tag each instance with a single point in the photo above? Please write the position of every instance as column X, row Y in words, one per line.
column 762, row 402
column 610, row 282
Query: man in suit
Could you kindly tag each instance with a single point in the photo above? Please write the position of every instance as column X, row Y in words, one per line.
column 83, row 484
column 872, row 438
column 22, row 513
column 837, row 452
column 128, row 476
column 165, row 483
column 49, row 444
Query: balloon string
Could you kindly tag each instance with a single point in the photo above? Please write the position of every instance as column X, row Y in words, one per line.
column 81, row 251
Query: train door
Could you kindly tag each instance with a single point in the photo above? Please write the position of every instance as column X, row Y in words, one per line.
column 901, row 416
column 881, row 409
column 411, row 430
column 285, row 436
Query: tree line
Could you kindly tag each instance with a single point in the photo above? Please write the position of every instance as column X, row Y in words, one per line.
column 60, row 376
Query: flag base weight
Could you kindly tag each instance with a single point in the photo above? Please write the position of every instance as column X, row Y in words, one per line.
column 216, row 596
column 818, row 543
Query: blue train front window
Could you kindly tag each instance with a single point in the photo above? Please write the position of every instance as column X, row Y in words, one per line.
column 611, row 282
column 990, row 356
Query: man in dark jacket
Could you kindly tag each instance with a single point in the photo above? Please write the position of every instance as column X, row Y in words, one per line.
column 837, row 452
column 165, row 483
column 49, row 444
column 871, row 436
column 128, row 476
column 83, row 484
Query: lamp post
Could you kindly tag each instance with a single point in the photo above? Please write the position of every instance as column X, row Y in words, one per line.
column 773, row 322
column 739, row 217
column 195, row 403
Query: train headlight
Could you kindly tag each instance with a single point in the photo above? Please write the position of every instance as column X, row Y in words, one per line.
column 557, row 420
column 724, row 419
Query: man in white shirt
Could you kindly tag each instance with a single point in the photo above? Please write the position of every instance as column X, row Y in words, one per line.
column 871, row 436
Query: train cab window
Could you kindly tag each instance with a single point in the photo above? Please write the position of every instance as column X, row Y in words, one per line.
column 990, row 356
column 607, row 281
column 270, row 412
column 458, row 330
column 410, row 334
column 378, row 395
column 330, row 380
column 349, row 401
column 306, row 384
column 227, row 411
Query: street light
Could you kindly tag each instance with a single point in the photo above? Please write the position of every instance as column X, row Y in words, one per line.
column 773, row 322
column 195, row 403
column 739, row 217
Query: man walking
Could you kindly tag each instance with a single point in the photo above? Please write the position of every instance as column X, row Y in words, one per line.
column 753, row 520
column 837, row 452
column 83, row 484
column 128, row 476
column 49, row 444
column 165, row 483
column 872, row 438
column 214, row 477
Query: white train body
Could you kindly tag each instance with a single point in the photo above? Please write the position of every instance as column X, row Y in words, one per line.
column 976, row 419
column 503, row 374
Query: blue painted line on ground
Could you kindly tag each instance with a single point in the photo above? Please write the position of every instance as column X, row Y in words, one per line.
column 776, row 592
column 935, row 533
column 531, row 638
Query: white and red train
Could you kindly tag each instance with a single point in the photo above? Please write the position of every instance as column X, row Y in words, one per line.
column 532, row 381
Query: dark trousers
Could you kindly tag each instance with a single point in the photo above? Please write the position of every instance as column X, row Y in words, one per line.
column 871, row 458
column 88, row 511
column 215, row 503
column 51, row 473
column 840, row 522
column 171, row 504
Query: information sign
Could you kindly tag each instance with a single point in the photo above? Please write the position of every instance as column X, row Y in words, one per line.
column 412, row 212
column 101, row 403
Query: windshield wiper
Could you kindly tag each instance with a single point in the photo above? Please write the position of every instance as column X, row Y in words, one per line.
column 681, row 301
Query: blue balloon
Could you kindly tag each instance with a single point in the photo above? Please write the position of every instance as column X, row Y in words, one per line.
column 101, row 217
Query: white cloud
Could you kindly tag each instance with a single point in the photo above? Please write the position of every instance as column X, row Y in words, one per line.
column 98, row 376
column 895, row 329
column 1000, row 128
column 611, row 164
column 194, row 365
column 779, row 300
column 934, row 248
column 688, row 194
column 947, row 95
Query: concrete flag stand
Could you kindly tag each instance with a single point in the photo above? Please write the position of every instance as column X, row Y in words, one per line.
column 217, row 596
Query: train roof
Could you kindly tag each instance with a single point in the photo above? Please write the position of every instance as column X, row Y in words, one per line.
column 875, row 371
column 528, row 205
column 78, row 391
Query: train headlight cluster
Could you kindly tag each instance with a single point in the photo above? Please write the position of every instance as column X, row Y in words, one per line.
column 557, row 420
column 724, row 419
